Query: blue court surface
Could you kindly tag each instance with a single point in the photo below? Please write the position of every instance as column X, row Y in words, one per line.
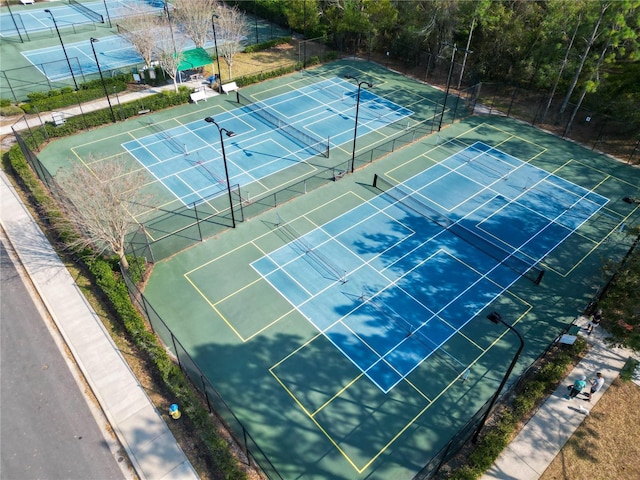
column 34, row 19
column 113, row 53
column 188, row 161
column 371, row 280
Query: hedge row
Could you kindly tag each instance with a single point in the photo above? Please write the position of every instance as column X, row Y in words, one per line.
column 109, row 281
column 106, row 271
column 97, row 118
column 67, row 96
column 525, row 401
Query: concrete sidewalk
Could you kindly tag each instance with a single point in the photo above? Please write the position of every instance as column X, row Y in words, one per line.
column 34, row 121
column 539, row 442
column 150, row 445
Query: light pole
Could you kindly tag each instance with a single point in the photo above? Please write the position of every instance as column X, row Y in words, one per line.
column 215, row 45
column 446, row 92
column 228, row 133
column 113, row 115
column 495, row 317
column 107, row 10
column 173, row 40
column 355, row 129
column 63, row 49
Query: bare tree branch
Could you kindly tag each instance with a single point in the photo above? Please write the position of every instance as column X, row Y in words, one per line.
column 194, row 17
column 231, row 31
column 101, row 203
column 170, row 50
column 141, row 28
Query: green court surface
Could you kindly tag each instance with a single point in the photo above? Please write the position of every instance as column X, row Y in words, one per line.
column 307, row 406
column 312, row 411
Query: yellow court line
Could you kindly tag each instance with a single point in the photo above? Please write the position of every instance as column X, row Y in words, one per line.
column 596, row 245
column 251, row 243
column 311, row 415
column 337, row 394
column 512, row 135
column 437, row 397
column 324, row 432
column 322, row 429
column 270, row 232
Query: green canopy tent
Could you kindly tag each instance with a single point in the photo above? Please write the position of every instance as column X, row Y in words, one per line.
column 194, row 58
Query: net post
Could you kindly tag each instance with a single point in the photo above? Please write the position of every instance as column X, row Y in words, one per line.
column 375, row 180
column 539, row 277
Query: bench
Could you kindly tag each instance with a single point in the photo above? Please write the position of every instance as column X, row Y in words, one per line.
column 229, row 87
column 27, row 2
column 58, row 118
column 199, row 95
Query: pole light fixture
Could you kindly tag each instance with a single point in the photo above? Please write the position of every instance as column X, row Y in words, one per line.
column 228, row 133
column 55, row 24
column 104, row 86
column 446, row 92
column 355, row 129
column 495, row 317
column 215, row 45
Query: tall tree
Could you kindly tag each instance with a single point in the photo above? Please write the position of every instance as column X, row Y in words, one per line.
column 303, row 15
column 194, row 18
column 562, row 11
column 101, row 203
column 231, row 31
column 617, row 34
column 603, row 7
column 169, row 50
column 142, row 29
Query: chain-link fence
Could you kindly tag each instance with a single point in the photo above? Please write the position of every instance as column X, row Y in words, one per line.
column 253, row 455
column 589, row 124
column 598, row 131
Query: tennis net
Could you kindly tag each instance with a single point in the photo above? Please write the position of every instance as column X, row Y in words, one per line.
column 318, row 145
column 321, row 262
column 495, row 251
column 397, row 321
column 86, row 11
column 409, row 200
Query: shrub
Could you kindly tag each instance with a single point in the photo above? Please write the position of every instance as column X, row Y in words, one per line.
column 5, row 102
column 10, row 110
column 107, row 278
column 525, row 400
column 66, row 96
column 629, row 368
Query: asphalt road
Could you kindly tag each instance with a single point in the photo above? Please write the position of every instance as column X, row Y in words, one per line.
column 47, row 430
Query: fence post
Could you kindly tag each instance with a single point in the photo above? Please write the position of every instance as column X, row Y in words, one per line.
column 635, row 149
column 175, row 349
column 206, row 394
column 513, row 97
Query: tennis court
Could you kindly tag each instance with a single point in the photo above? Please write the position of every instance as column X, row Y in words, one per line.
column 113, row 52
column 352, row 331
column 346, row 328
column 370, row 301
column 34, row 19
column 268, row 137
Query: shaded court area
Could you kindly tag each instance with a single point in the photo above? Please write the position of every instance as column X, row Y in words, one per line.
column 282, row 131
column 263, row 329
column 341, row 330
